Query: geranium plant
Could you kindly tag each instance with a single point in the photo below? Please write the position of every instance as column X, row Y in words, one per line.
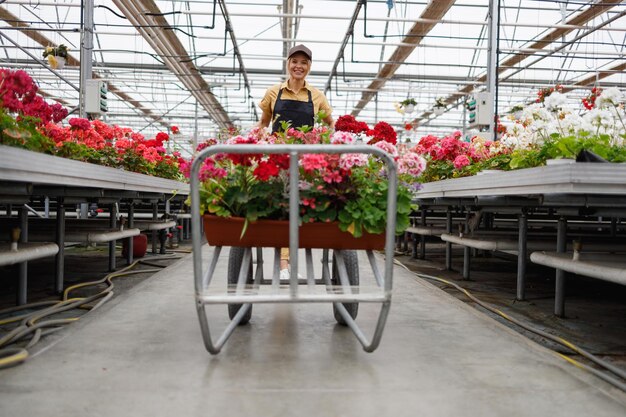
column 28, row 121
column 350, row 189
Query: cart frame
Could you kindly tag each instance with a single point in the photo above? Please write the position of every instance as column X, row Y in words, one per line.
column 336, row 295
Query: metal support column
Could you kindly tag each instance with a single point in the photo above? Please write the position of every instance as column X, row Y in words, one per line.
column 155, row 217
column 559, row 292
column 522, row 255
column 449, row 244
column 195, row 129
column 60, row 240
column 423, row 237
column 131, row 224
column 467, row 251
column 86, row 48
column 22, row 283
column 492, row 62
column 46, row 207
column 112, row 224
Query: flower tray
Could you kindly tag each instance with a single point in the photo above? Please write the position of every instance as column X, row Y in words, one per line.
column 226, row 231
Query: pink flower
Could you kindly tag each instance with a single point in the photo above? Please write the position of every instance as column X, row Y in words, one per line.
column 332, row 176
column 387, row 147
column 209, row 170
column 349, row 160
column 461, row 161
column 411, row 163
column 341, row 138
column 313, row 162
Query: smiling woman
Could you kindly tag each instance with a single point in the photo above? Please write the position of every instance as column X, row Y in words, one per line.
column 295, row 101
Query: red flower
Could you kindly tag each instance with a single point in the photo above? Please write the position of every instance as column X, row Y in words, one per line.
column 175, row 130
column 347, row 123
column 80, row 123
column 162, row 137
column 266, row 170
column 590, row 101
column 383, row 131
column 545, row 92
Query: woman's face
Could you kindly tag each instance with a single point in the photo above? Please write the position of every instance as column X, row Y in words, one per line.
column 298, row 66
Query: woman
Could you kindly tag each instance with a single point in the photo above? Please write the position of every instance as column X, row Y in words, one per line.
column 297, row 102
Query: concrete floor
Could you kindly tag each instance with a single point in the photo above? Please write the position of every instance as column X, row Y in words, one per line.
column 142, row 354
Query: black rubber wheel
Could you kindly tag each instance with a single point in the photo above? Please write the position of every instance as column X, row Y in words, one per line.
column 351, row 260
column 235, row 258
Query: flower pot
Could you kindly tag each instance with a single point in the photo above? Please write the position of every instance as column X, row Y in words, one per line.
column 439, row 110
column 226, row 231
column 140, row 245
column 56, row 62
column 409, row 108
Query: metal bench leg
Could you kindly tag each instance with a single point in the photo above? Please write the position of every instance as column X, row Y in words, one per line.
column 448, row 244
column 467, row 251
column 22, row 284
column 112, row 221
column 522, row 255
column 60, row 240
column 559, row 291
column 155, row 217
column 131, row 224
column 422, row 237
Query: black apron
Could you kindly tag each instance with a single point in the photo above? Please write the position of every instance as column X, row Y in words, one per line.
column 298, row 113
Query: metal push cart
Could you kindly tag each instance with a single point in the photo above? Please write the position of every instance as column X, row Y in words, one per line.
column 339, row 287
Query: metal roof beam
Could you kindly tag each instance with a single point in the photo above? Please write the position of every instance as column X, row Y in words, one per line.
column 592, row 12
column 156, row 30
column 42, row 40
column 436, row 9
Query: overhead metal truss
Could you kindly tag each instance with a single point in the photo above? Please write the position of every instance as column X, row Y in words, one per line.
column 165, row 59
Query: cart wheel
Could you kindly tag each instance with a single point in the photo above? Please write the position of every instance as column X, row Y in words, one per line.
column 351, row 260
column 234, row 266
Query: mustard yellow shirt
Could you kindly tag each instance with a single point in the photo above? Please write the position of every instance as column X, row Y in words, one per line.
column 319, row 100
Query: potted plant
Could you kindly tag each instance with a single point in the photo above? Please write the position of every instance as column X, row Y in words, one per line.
column 56, row 55
column 440, row 106
column 342, row 196
column 408, row 105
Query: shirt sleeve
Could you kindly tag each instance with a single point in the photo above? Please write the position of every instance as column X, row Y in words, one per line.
column 324, row 106
column 268, row 100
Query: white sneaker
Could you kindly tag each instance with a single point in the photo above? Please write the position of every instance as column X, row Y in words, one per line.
column 285, row 275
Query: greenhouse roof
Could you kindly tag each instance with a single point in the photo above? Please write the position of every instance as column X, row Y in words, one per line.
column 174, row 62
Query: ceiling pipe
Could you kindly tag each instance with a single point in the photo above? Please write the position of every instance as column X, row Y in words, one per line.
column 242, row 67
column 346, row 38
column 401, row 20
column 42, row 40
column 593, row 11
column 167, row 45
column 435, row 9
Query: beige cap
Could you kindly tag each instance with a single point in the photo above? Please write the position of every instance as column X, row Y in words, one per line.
column 300, row 48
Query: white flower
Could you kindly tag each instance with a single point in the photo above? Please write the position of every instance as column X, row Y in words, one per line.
column 609, row 97
column 571, row 123
column 536, row 112
column 599, row 118
column 555, row 102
